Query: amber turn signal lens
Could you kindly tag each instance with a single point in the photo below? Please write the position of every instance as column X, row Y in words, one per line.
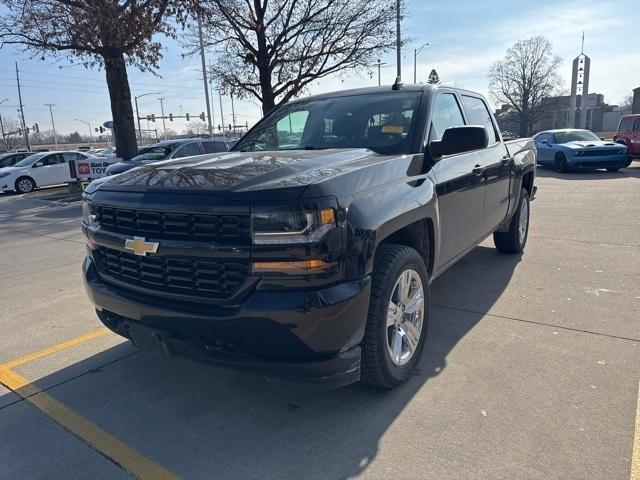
column 327, row 215
column 292, row 268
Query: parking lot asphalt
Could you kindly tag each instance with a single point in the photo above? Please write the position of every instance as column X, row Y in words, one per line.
column 531, row 367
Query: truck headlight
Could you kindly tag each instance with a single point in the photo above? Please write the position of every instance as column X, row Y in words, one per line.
column 89, row 217
column 292, row 226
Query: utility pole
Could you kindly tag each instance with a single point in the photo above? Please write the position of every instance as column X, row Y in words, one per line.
column 55, row 137
column 164, row 123
column 88, row 124
column 379, row 64
column 398, row 41
column 24, row 123
column 221, row 112
column 204, row 75
column 416, row 51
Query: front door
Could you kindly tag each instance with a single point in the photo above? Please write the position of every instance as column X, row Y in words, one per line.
column 460, row 187
column 495, row 161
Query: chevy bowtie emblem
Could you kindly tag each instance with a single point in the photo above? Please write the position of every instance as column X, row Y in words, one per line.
column 140, row 246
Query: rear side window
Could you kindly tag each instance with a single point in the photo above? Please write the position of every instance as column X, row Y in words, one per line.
column 54, row 159
column 446, row 114
column 479, row 115
column 214, row 147
column 637, row 127
column 625, row 125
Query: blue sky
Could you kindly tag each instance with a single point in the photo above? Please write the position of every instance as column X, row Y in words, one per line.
column 465, row 38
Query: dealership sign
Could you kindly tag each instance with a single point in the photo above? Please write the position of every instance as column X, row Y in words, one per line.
column 108, row 124
column 85, row 170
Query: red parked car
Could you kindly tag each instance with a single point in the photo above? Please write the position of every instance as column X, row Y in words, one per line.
column 629, row 134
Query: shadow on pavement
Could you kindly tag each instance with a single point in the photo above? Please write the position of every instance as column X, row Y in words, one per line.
column 201, row 421
column 633, row 171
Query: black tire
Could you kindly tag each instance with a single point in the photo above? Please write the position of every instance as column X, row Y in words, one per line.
column 512, row 241
column 378, row 369
column 25, row 185
column 613, row 169
column 560, row 162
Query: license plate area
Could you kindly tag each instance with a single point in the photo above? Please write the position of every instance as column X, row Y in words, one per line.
column 150, row 339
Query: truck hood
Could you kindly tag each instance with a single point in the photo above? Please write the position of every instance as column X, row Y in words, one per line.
column 242, row 172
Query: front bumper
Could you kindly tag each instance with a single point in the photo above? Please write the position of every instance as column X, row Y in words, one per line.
column 308, row 338
column 603, row 161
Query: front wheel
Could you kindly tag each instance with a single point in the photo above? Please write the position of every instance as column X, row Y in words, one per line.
column 25, row 185
column 560, row 162
column 514, row 239
column 398, row 314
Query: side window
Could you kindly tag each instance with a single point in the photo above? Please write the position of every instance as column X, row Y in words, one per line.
column 446, row 114
column 625, row 125
column 479, row 115
column 637, row 127
column 214, row 147
column 187, row 150
column 68, row 156
column 543, row 137
column 54, row 159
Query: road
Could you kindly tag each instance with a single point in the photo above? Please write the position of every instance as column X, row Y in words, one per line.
column 530, row 371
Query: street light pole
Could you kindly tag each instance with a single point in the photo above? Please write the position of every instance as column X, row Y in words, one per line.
column 4, row 137
column 221, row 112
column 90, row 129
column 55, row 137
column 204, row 76
column 138, row 115
column 164, row 124
column 379, row 63
column 416, row 51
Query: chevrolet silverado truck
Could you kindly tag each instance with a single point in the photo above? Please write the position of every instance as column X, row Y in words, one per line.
column 305, row 253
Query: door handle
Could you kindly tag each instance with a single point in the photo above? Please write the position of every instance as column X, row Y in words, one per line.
column 478, row 170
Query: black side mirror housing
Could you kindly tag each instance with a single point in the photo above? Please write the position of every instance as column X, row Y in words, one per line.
column 459, row 140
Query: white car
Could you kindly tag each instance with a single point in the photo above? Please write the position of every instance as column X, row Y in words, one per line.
column 40, row 170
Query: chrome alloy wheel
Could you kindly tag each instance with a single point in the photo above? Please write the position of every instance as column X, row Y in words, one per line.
column 523, row 221
column 405, row 317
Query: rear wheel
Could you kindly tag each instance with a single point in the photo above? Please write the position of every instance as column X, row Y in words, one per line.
column 25, row 185
column 514, row 240
column 560, row 162
column 398, row 314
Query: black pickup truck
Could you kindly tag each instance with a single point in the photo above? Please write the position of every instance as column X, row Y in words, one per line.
column 305, row 254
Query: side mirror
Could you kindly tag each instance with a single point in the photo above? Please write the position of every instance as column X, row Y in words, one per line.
column 601, row 138
column 545, row 141
column 459, row 140
column 38, row 164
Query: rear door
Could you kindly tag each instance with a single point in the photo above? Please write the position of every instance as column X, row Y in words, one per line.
column 460, row 190
column 635, row 138
column 495, row 162
column 54, row 170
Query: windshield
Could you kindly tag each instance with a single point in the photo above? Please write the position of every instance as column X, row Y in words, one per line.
column 576, row 136
column 382, row 122
column 29, row 160
column 155, row 152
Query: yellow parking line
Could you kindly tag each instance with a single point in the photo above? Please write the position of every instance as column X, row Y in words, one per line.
column 635, row 456
column 119, row 452
column 56, row 348
column 129, row 459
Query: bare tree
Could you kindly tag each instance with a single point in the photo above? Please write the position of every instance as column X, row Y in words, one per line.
column 11, row 133
column 109, row 34
column 197, row 128
column 626, row 103
column 273, row 49
column 524, row 77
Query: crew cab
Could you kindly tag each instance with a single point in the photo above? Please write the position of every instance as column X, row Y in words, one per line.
column 305, row 254
column 628, row 134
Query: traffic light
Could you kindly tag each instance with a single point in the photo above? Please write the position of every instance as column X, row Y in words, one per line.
column 202, row 116
column 219, row 127
column 101, row 129
column 229, row 127
column 171, row 117
column 36, row 128
column 153, row 117
column 187, row 116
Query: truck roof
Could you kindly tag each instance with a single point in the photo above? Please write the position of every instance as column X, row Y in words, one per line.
column 382, row 89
